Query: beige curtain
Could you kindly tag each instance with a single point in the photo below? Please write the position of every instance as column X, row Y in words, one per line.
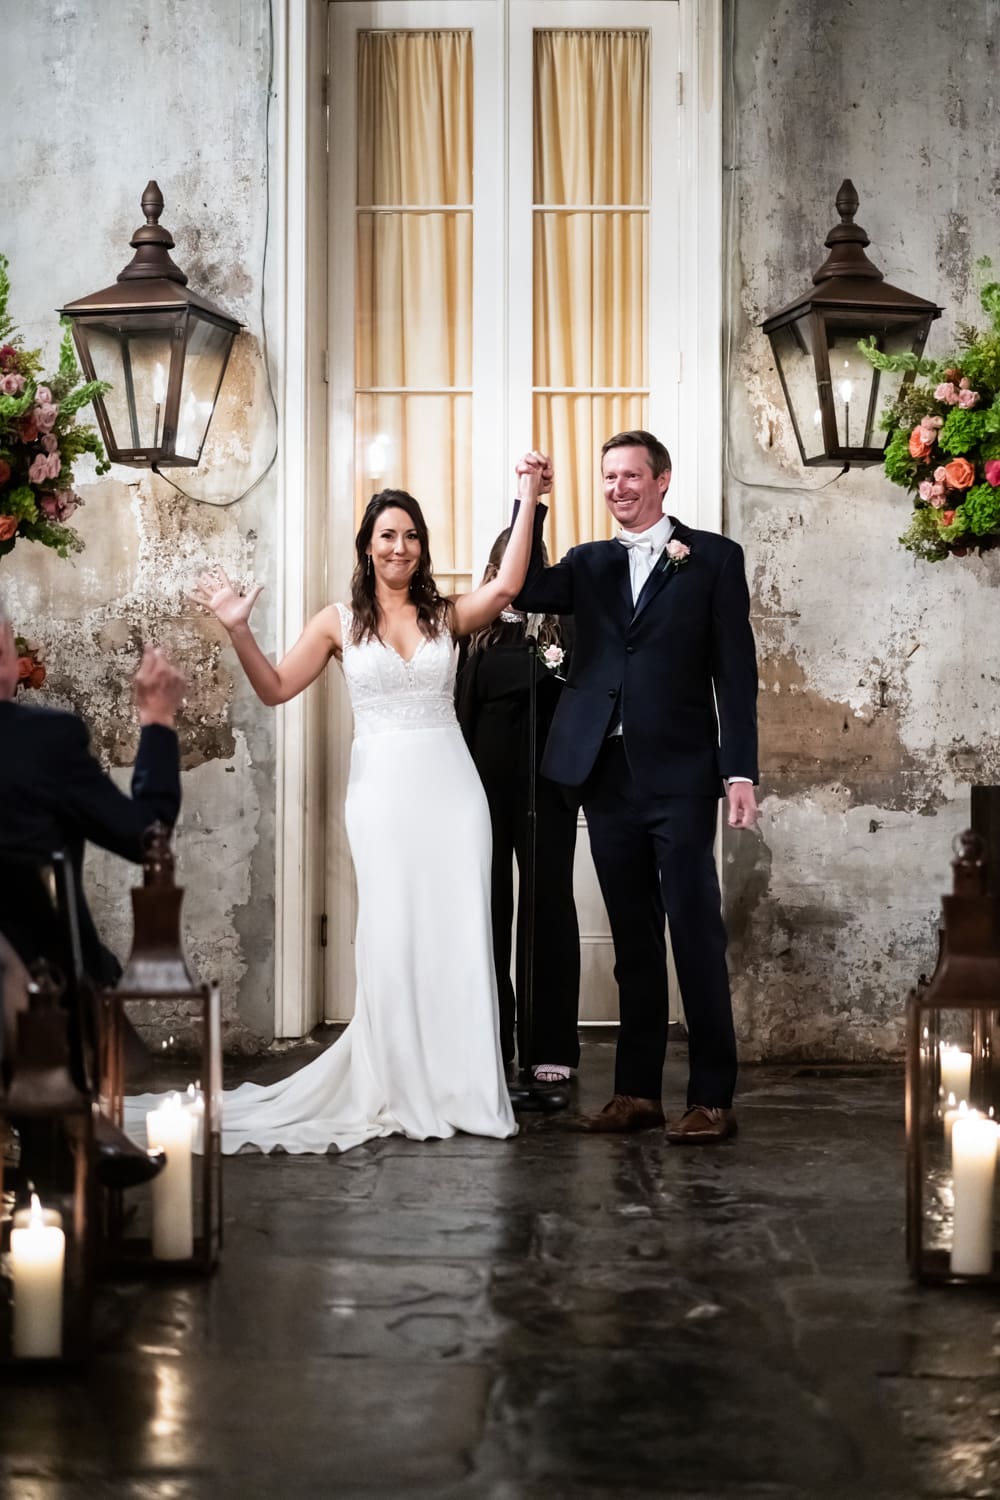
column 591, row 167
column 414, row 281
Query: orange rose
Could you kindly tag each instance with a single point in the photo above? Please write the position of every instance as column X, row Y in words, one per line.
column 24, row 666
column 959, row 474
column 946, row 517
column 918, row 448
column 8, row 526
column 37, row 675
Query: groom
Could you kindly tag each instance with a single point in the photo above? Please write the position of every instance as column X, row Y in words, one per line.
column 658, row 715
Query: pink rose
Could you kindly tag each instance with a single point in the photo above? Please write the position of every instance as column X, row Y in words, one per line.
column 552, row 656
column 7, row 355
column 45, row 416
column 43, row 396
column 940, row 474
column 933, row 493
column 44, row 466
column 59, row 505
column 946, row 392
column 678, row 552
column 50, row 443
column 993, row 472
column 968, row 398
column 11, row 385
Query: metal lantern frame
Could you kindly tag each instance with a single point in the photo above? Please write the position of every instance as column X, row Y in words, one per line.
column 151, row 301
column 965, row 989
column 849, row 299
column 41, row 1095
column 158, row 972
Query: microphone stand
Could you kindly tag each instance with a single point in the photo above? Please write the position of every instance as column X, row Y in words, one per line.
column 529, row 1094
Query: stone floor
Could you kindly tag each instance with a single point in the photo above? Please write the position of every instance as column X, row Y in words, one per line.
column 557, row 1316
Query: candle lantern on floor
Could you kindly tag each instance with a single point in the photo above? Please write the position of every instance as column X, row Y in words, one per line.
column 46, row 1293
column 953, row 1088
column 183, row 1228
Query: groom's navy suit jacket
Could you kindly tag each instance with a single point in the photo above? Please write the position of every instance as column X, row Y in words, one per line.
column 55, row 796
column 678, row 668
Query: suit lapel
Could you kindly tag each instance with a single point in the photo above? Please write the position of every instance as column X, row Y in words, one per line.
column 616, row 577
column 664, row 571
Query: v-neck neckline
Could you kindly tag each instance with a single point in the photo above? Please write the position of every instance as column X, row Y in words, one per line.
column 406, row 660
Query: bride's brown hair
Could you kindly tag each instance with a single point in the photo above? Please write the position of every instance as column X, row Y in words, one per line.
column 432, row 609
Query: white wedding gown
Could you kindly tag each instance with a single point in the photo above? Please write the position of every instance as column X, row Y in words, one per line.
column 422, row 1055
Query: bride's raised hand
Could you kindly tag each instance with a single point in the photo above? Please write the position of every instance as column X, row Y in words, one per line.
column 534, row 475
column 230, row 605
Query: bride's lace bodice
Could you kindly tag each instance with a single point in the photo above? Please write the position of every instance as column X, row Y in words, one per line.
column 389, row 694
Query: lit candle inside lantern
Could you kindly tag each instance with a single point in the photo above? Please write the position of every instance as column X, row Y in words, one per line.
column 956, row 1071
column 194, row 1099
column 974, row 1162
column 169, row 1128
column 38, row 1254
column 952, row 1113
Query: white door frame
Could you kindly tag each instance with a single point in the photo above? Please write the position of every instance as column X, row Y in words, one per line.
column 312, row 731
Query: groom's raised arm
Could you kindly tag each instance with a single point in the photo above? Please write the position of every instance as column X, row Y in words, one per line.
column 546, row 591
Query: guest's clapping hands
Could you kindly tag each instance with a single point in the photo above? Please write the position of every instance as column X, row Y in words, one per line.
column 230, row 605
column 534, row 475
column 157, row 688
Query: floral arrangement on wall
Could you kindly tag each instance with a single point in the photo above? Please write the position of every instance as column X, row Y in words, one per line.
column 40, row 439
column 945, row 443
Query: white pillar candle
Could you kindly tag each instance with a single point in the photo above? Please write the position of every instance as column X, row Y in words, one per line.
column 38, row 1255
column 974, row 1161
column 952, row 1113
column 956, row 1071
column 169, row 1127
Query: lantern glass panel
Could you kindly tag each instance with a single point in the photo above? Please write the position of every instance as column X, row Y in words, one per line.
column 205, row 360
column 957, row 1081
column 860, row 392
column 793, row 348
column 133, row 355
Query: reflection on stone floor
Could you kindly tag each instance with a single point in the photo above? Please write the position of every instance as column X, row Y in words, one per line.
column 556, row 1316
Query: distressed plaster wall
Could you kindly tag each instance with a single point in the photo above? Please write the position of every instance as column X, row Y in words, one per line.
column 101, row 95
column 879, row 703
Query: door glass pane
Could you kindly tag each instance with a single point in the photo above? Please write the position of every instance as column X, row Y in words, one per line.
column 413, row 304
column 590, row 259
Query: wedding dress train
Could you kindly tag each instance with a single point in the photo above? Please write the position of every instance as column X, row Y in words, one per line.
column 422, row 1055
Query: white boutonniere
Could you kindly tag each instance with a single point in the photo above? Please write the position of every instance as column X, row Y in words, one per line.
column 551, row 657
column 677, row 553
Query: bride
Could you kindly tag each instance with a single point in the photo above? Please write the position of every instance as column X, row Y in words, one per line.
column 422, row 1055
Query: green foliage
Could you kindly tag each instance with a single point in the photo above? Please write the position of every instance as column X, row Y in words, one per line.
column 982, row 510
column 62, row 539
column 895, row 362
column 899, row 466
column 21, row 502
column 962, row 430
column 6, row 326
column 923, row 537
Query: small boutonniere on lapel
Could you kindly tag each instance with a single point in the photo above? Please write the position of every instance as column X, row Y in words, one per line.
column 676, row 553
column 551, row 657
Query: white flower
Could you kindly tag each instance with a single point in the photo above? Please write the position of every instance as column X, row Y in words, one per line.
column 552, row 657
column 678, row 552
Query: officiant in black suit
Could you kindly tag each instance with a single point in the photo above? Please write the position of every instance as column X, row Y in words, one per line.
column 54, row 794
column 657, row 720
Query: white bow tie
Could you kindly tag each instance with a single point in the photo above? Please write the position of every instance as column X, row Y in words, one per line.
column 641, row 543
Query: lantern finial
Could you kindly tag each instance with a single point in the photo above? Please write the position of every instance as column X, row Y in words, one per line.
column 152, row 244
column 846, row 242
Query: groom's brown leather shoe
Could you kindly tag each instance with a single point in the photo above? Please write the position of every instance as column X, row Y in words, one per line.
column 624, row 1113
column 701, row 1125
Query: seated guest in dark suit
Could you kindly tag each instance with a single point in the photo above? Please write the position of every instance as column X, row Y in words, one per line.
column 492, row 705
column 54, row 795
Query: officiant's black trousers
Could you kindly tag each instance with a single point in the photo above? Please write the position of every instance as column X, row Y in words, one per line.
column 655, row 855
